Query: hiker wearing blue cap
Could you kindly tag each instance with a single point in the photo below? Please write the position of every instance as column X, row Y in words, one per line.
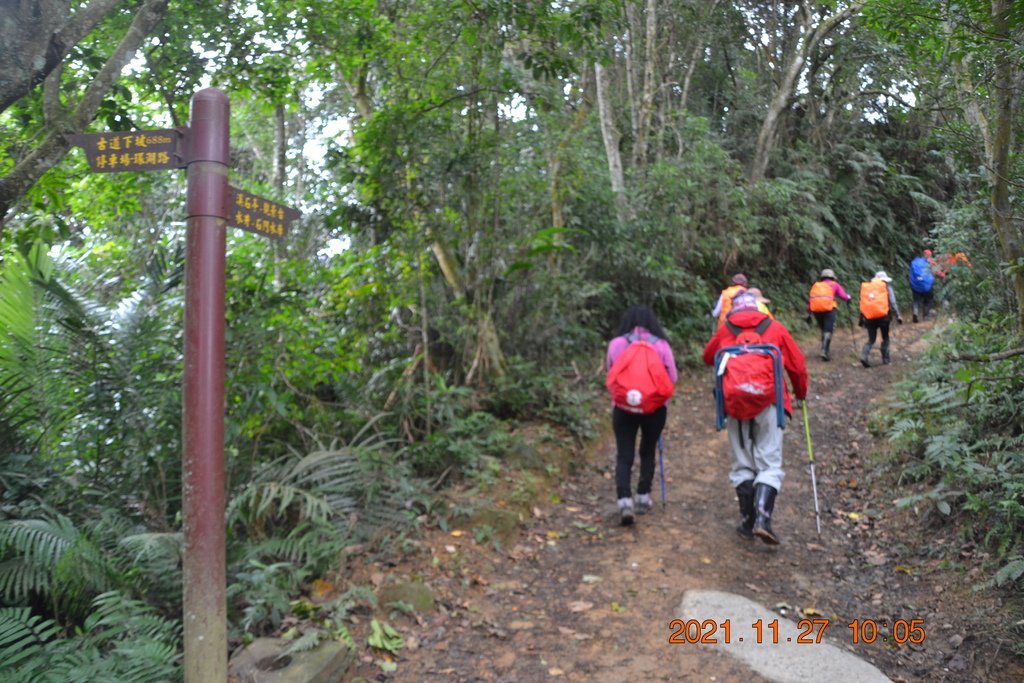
column 752, row 419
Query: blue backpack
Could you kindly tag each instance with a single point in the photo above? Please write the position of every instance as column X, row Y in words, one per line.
column 921, row 278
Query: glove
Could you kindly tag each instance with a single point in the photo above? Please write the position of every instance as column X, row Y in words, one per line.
column 809, row 319
column 899, row 320
column 861, row 323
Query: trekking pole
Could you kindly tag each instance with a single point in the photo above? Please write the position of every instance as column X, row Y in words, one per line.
column 810, row 456
column 661, row 463
column 853, row 332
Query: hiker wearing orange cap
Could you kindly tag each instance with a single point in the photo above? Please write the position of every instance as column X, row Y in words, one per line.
column 724, row 304
column 922, row 283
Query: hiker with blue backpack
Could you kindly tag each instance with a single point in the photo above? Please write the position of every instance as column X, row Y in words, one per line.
column 752, row 395
column 922, row 283
column 641, row 378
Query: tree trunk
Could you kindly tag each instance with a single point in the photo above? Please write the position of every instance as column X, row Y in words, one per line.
column 809, row 39
column 649, row 87
column 488, row 358
column 36, row 37
column 1002, row 139
column 698, row 49
column 610, row 135
column 630, row 68
column 280, row 172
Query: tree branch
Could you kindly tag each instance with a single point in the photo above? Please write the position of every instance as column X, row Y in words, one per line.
column 35, row 44
column 30, row 168
column 986, row 357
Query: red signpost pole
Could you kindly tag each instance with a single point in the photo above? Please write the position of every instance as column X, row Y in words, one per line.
column 204, row 598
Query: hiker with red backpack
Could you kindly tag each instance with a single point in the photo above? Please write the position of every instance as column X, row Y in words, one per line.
column 821, row 303
column 877, row 308
column 641, row 378
column 755, row 400
column 724, row 303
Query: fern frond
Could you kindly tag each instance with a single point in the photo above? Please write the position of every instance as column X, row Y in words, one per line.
column 260, row 503
column 37, row 546
column 22, row 637
column 304, row 643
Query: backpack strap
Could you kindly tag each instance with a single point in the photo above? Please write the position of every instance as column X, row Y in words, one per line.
column 650, row 339
column 760, row 328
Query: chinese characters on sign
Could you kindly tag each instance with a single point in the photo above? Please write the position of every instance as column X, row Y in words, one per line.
column 259, row 215
column 139, row 150
column 154, row 150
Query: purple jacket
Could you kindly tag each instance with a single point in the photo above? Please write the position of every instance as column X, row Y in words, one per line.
column 619, row 344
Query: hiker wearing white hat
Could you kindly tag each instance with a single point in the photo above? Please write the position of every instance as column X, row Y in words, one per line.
column 821, row 303
column 877, row 307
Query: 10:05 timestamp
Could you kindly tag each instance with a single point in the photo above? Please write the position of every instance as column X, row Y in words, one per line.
column 810, row 631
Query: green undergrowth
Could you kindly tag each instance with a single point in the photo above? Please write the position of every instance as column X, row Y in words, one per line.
column 956, row 443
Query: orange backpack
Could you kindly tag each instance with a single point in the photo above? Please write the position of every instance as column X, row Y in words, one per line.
column 727, row 296
column 822, row 297
column 874, row 299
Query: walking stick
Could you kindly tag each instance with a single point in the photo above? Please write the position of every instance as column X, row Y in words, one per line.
column 853, row 332
column 810, row 456
column 661, row 463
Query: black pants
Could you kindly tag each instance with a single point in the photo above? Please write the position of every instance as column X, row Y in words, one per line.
column 826, row 320
column 923, row 303
column 626, row 426
column 874, row 326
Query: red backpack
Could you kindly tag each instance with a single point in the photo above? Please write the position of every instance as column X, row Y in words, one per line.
column 747, row 371
column 638, row 380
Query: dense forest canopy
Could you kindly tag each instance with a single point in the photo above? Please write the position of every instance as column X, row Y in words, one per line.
column 497, row 180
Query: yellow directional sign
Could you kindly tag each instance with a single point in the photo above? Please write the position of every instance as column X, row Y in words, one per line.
column 137, row 150
column 256, row 214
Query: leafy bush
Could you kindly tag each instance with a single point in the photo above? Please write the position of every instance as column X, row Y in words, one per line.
column 957, row 426
column 122, row 641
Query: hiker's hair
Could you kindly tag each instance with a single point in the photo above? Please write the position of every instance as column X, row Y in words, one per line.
column 640, row 316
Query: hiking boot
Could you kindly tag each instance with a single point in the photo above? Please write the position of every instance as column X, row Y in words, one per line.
column 626, row 517
column 764, row 503
column 825, row 341
column 644, row 503
column 885, row 353
column 745, row 496
column 864, row 354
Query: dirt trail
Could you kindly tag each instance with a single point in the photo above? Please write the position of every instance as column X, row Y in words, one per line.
column 579, row 598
